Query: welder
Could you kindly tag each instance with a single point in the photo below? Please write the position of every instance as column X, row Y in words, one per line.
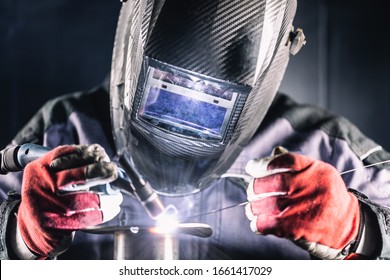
column 192, row 101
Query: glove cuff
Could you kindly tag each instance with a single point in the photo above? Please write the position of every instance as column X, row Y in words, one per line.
column 40, row 244
column 7, row 208
column 351, row 248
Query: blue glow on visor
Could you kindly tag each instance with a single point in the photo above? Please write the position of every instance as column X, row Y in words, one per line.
column 186, row 103
column 184, row 111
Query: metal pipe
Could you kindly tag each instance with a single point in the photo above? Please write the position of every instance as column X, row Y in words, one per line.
column 162, row 246
column 122, row 245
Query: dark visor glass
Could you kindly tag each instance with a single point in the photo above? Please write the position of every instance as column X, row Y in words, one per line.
column 186, row 103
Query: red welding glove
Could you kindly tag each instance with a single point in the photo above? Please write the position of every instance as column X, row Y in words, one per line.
column 305, row 200
column 53, row 202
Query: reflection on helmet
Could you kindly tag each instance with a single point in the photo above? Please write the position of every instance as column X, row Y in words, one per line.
column 191, row 82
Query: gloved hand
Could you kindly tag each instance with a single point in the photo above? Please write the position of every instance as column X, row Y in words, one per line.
column 293, row 196
column 53, row 204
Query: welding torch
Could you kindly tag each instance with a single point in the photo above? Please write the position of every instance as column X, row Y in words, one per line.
column 129, row 180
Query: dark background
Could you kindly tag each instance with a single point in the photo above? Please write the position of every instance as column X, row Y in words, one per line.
column 52, row 47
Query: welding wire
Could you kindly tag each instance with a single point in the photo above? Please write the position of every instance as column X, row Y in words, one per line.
column 365, row 166
column 255, row 198
column 269, row 194
column 217, row 210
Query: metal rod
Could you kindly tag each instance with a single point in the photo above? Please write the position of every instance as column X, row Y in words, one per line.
column 365, row 166
column 260, row 196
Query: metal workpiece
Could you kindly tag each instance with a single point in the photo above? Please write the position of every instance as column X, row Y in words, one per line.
column 162, row 240
column 162, row 245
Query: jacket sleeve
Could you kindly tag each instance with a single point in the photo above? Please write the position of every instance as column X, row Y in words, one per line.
column 382, row 214
column 8, row 208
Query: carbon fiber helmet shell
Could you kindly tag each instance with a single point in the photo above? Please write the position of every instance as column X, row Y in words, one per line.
column 240, row 46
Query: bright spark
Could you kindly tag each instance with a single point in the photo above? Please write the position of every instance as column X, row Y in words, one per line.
column 167, row 223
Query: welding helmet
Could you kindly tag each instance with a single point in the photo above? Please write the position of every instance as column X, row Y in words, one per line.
column 191, row 81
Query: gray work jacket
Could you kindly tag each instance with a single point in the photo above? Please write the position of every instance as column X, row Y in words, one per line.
column 84, row 118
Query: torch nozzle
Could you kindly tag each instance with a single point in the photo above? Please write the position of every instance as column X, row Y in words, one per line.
column 142, row 189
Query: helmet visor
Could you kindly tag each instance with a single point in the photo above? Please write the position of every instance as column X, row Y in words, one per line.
column 186, row 103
